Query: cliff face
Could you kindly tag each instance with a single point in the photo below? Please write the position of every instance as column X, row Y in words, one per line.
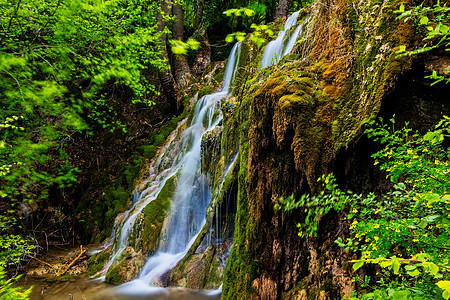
column 304, row 118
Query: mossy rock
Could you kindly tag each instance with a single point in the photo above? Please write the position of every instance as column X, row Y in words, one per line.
column 201, row 271
column 207, row 90
column 149, row 225
column 97, row 261
column 126, row 268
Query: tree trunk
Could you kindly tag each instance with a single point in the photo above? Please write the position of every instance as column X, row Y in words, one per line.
column 180, row 63
column 203, row 57
column 199, row 16
column 168, row 85
column 282, row 8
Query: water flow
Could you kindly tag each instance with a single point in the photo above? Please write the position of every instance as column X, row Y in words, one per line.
column 231, row 68
column 192, row 195
column 283, row 44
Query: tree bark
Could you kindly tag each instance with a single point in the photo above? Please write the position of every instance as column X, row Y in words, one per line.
column 166, row 80
column 180, row 63
column 203, row 57
column 199, row 16
column 282, row 8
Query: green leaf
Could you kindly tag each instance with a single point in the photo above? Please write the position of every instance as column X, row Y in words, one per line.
column 229, row 38
column 240, row 38
column 401, row 295
column 396, row 267
column 443, row 284
column 428, row 136
column 249, row 12
column 194, row 44
column 433, row 269
column 446, row 294
column 358, row 264
column 423, row 20
column 410, row 267
column 385, row 264
column 423, row 224
column 413, row 273
column 401, row 49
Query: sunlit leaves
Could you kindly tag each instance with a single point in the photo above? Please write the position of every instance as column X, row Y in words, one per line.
column 9, row 290
column 445, row 285
column 238, row 12
column 181, row 48
column 407, row 232
column 238, row 36
column 436, row 22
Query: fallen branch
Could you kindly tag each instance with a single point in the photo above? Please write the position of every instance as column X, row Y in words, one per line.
column 73, row 262
column 43, row 262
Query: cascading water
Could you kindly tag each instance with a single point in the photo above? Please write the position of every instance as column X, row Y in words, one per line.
column 181, row 159
column 283, row 44
column 191, row 197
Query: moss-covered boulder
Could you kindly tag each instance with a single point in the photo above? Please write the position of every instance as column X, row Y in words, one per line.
column 201, row 271
column 126, row 267
column 97, row 261
column 151, row 220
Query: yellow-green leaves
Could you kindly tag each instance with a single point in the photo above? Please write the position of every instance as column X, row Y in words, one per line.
column 181, row 48
column 243, row 11
column 358, row 264
column 238, row 36
column 445, row 285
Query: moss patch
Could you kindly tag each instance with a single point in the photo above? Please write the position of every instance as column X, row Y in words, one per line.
column 97, row 261
column 152, row 219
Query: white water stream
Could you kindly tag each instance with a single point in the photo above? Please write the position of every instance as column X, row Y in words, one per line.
column 181, row 157
column 283, row 44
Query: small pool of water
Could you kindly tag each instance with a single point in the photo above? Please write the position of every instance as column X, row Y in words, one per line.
column 84, row 288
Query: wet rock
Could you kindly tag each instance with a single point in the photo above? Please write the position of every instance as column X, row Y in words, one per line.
column 201, row 271
column 126, row 268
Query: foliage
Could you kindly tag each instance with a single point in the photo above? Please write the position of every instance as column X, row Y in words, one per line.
column 62, row 64
column 331, row 197
column 436, row 23
column 260, row 32
column 10, row 292
column 406, row 232
column 182, row 48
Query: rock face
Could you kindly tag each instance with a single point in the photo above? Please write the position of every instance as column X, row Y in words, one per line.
column 304, row 118
column 202, row 271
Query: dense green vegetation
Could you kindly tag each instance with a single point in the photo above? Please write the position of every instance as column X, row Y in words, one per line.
column 66, row 67
column 63, row 64
column 406, row 232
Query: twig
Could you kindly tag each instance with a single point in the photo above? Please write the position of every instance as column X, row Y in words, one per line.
column 73, row 261
column 43, row 262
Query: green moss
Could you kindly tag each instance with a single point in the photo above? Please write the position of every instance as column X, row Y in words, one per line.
column 97, row 261
column 113, row 276
column 66, row 278
column 150, row 226
column 52, row 280
column 219, row 77
column 206, row 90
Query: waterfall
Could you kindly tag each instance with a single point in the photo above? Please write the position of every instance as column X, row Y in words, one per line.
column 181, row 158
column 283, row 44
